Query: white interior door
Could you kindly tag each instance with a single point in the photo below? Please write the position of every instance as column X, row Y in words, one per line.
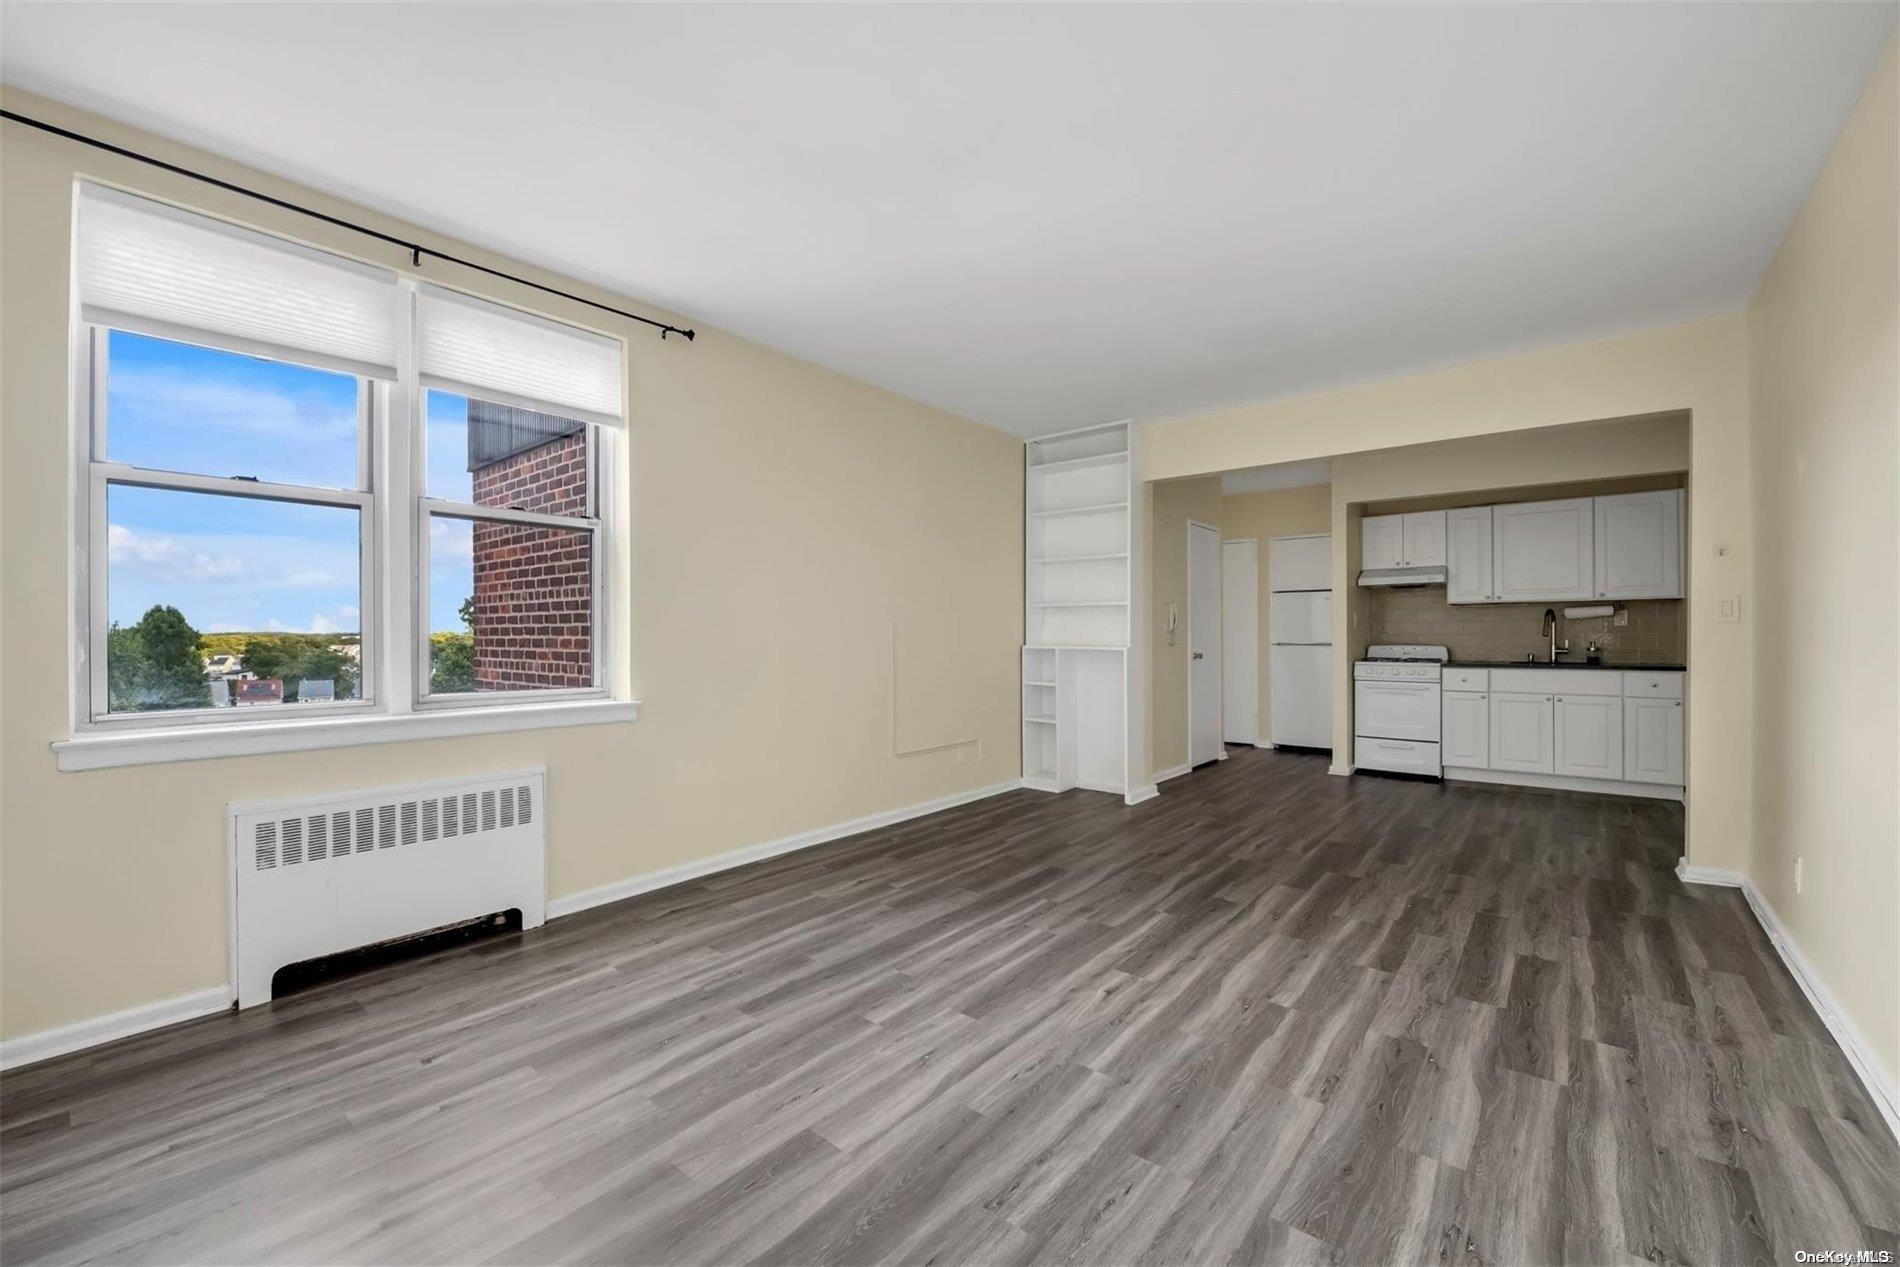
column 1204, row 640
column 1240, row 640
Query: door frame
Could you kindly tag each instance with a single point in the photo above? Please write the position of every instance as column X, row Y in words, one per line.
column 1187, row 651
column 1254, row 709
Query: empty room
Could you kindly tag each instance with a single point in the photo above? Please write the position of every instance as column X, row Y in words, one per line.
column 949, row 633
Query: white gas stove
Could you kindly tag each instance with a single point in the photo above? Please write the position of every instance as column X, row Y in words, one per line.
column 1395, row 709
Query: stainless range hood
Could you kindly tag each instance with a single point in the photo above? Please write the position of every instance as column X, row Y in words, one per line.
column 1403, row 576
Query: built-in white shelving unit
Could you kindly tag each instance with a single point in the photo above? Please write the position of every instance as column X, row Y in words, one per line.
column 1077, row 547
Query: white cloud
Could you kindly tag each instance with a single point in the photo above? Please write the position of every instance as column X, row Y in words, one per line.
column 451, row 540
column 344, row 619
column 166, row 558
column 186, row 400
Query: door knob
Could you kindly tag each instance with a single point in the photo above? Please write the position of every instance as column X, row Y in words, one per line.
column 1197, row 655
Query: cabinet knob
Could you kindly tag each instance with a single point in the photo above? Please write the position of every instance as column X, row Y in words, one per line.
column 1560, row 699
column 1546, row 699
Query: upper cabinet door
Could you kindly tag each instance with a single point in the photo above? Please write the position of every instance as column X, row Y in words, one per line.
column 1382, row 541
column 1543, row 551
column 1424, row 539
column 1468, row 555
column 1639, row 545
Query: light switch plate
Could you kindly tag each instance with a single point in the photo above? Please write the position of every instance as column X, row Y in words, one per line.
column 1728, row 608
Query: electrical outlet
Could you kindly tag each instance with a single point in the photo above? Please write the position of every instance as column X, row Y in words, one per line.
column 1799, row 865
column 1621, row 618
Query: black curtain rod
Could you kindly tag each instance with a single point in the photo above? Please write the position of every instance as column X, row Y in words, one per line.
column 416, row 249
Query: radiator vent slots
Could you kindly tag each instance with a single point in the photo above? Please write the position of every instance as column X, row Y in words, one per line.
column 300, row 840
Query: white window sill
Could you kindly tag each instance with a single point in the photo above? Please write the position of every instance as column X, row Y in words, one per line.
column 100, row 750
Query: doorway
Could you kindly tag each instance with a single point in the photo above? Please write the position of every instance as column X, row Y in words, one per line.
column 1240, row 640
column 1204, row 644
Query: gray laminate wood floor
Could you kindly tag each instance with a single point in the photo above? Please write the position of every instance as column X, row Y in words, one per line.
column 1273, row 1016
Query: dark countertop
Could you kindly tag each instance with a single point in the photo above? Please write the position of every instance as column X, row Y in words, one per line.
column 1565, row 664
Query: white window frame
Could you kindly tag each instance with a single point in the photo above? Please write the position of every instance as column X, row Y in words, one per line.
column 394, row 508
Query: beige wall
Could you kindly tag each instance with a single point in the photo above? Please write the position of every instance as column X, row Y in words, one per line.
column 1526, row 405
column 792, row 532
column 1282, row 512
column 1173, row 506
column 1822, row 339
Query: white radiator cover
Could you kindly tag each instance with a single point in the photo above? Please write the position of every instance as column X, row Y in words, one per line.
column 320, row 875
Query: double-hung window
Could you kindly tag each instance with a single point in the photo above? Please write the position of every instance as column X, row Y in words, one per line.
column 310, row 488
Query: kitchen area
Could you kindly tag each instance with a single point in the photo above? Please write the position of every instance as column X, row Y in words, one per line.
column 1523, row 639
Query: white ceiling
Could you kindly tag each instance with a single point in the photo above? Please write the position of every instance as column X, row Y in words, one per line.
column 1048, row 216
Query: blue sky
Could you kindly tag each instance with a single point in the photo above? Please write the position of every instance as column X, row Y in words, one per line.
column 233, row 563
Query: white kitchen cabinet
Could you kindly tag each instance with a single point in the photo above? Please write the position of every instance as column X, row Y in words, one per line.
column 1424, row 537
column 1468, row 554
column 1639, row 545
column 1652, row 741
column 1382, row 541
column 1521, row 732
column 1544, row 552
column 1465, row 736
column 1588, row 736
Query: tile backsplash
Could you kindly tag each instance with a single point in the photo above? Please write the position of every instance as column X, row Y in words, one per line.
column 1656, row 632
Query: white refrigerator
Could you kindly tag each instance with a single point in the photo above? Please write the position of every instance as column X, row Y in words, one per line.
column 1300, row 634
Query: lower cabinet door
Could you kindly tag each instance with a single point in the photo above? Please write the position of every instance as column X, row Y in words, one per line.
column 1520, row 736
column 1465, row 738
column 1652, row 741
column 1589, row 736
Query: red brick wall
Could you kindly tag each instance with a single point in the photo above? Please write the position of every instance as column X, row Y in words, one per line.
column 533, row 586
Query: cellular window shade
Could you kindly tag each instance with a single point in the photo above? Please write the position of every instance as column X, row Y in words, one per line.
column 157, row 270
column 485, row 350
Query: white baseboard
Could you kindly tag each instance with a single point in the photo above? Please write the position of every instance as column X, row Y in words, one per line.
column 1566, row 783
column 1140, row 794
column 586, row 899
column 1885, row 1095
column 1172, row 772
column 1340, row 769
column 29, row 1048
column 1221, row 755
column 1263, row 743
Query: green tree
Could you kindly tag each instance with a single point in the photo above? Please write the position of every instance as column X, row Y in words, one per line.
column 126, row 668
column 156, row 663
column 452, row 655
column 319, row 662
column 295, row 657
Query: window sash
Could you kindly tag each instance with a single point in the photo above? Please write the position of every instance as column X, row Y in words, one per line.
column 98, row 358
column 102, row 475
column 428, row 508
